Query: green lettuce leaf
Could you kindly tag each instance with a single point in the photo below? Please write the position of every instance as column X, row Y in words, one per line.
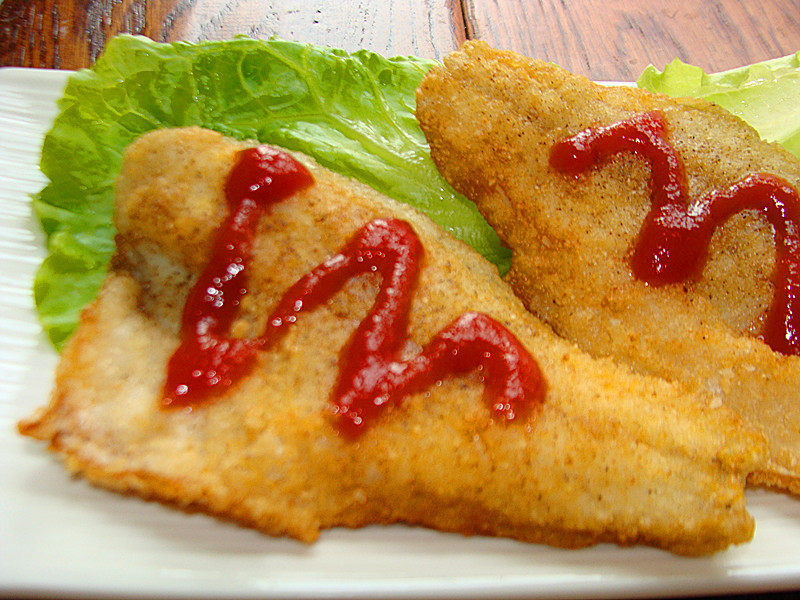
column 354, row 113
column 766, row 94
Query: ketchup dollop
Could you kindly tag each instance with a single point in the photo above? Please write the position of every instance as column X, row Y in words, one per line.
column 371, row 373
column 672, row 244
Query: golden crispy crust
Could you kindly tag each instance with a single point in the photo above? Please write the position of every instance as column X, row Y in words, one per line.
column 571, row 238
column 611, row 456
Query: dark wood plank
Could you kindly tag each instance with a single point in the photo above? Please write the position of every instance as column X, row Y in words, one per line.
column 427, row 28
column 616, row 39
column 69, row 34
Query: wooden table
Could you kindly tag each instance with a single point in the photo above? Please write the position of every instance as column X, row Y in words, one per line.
column 611, row 40
column 602, row 39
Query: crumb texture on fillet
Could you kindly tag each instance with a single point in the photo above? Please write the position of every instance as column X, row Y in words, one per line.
column 610, row 455
column 572, row 237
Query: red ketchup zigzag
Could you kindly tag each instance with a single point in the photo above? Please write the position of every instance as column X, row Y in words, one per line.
column 371, row 375
column 672, row 245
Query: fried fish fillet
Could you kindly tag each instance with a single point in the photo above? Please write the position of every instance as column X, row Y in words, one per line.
column 572, row 237
column 609, row 456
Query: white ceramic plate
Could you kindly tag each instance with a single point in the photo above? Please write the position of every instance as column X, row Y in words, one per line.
column 60, row 536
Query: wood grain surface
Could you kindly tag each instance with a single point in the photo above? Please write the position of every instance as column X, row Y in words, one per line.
column 602, row 39
column 69, row 34
column 616, row 39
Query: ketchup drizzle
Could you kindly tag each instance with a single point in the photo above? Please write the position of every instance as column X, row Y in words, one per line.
column 207, row 362
column 672, row 244
column 371, row 373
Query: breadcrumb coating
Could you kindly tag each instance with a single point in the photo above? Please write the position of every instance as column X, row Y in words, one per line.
column 572, row 237
column 610, row 456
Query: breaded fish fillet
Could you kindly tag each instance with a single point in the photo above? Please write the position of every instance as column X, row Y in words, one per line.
column 572, row 238
column 609, row 455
